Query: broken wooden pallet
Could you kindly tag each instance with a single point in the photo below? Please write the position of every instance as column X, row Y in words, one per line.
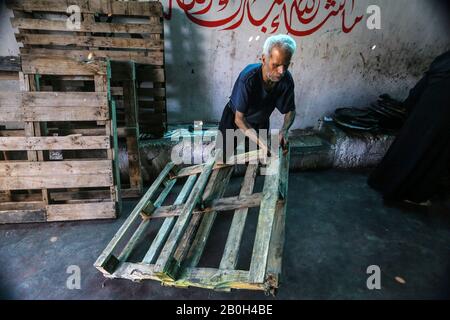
column 115, row 30
column 171, row 252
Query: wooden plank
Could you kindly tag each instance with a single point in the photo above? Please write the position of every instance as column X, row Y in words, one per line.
column 81, row 211
column 79, row 113
column 231, row 251
column 9, row 75
column 154, row 58
column 199, row 242
column 166, row 228
column 58, row 174
column 89, row 41
column 137, row 235
column 28, row 205
column 266, row 220
column 275, row 255
column 74, row 142
column 96, row 27
column 251, row 157
column 12, row 133
column 131, row 8
column 215, row 189
column 107, row 262
column 9, row 169
column 64, row 99
column 60, row 65
column 165, row 259
column 219, row 205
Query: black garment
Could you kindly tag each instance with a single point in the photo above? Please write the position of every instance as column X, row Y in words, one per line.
column 227, row 122
column 419, row 158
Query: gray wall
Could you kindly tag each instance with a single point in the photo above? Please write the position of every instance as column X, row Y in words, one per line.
column 331, row 68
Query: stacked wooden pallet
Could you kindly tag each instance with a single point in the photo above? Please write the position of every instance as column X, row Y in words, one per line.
column 47, row 174
column 170, row 252
column 125, row 33
column 120, row 31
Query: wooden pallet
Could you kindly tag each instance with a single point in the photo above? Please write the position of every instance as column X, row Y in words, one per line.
column 80, row 186
column 115, row 30
column 172, row 252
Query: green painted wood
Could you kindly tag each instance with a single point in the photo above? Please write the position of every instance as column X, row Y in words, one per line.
column 165, row 259
column 265, row 223
column 137, row 235
column 231, row 252
column 107, row 253
column 168, row 223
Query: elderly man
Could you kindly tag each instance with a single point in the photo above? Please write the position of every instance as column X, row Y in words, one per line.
column 259, row 89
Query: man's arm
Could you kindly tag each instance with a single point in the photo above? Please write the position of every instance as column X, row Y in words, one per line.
column 284, row 133
column 242, row 124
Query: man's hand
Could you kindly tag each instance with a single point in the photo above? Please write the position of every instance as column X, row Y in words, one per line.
column 283, row 138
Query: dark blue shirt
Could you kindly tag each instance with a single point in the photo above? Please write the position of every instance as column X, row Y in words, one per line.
column 250, row 97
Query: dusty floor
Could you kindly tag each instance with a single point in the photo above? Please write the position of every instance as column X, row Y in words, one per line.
column 336, row 227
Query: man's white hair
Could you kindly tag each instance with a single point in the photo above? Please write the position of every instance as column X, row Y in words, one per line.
column 282, row 41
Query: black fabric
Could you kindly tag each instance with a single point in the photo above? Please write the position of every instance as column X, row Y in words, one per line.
column 419, row 158
column 227, row 122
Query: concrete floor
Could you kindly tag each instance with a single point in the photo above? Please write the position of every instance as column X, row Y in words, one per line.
column 336, row 227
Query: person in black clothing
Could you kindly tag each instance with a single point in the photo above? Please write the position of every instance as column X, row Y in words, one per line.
column 418, row 160
column 259, row 89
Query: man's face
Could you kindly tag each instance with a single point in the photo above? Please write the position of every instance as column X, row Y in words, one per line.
column 277, row 64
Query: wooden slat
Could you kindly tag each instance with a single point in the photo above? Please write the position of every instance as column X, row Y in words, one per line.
column 89, row 41
column 154, row 58
column 265, row 223
column 163, row 263
column 231, row 251
column 168, row 223
column 9, row 75
column 106, row 262
column 131, row 8
column 215, row 189
column 275, row 255
column 57, row 174
column 64, row 99
column 97, row 27
column 220, row 205
column 139, row 232
column 80, row 113
column 207, row 278
column 76, row 142
column 251, row 157
column 60, row 65
column 81, row 211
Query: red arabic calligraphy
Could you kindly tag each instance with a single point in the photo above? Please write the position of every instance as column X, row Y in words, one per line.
column 300, row 17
